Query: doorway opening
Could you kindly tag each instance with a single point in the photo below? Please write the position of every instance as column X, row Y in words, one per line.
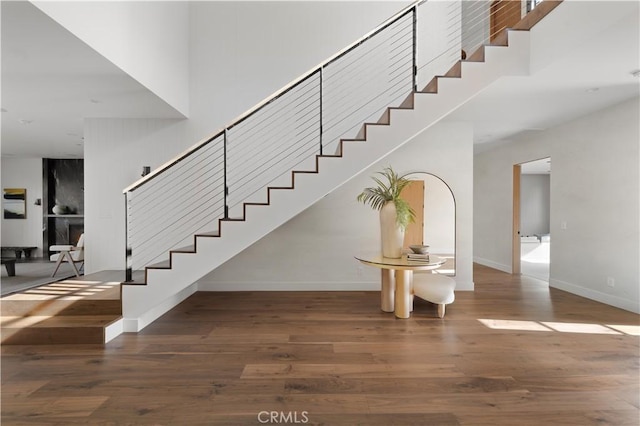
column 532, row 237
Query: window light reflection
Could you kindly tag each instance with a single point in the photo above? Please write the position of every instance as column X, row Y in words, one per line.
column 562, row 327
column 631, row 330
column 513, row 325
column 569, row 327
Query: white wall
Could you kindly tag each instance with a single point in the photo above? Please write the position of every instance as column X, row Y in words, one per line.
column 148, row 40
column 475, row 22
column 439, row 38
column 115, row 150
column 594, row 191
column 242, row 52
column 315, row 249
column 534, row 204
column 439, row 216
column 24, row 173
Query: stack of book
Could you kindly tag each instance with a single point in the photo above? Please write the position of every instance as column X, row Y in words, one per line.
column 414, row 257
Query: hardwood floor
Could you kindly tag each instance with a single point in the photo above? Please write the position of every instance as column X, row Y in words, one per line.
column 511, row 353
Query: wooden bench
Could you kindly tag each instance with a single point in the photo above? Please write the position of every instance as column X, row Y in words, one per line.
column 10, row 265
column 18, row 250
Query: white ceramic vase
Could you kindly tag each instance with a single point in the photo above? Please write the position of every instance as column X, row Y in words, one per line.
column 392, row 235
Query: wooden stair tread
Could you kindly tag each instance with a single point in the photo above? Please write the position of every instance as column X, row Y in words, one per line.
column 208, row 234
column 56, row 330
column 47, row 321
column 165, row 264
column 455, row 71
column 137, row 278
column 280, row 187
column 74, row 311
column 24, row 307
column 186, row 249
column 59, row 292
column 477, row 56
column 536, row 15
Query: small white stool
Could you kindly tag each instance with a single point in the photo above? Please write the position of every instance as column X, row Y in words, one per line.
column 435, row 288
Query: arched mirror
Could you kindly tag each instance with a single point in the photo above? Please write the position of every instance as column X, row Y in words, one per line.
column 434, row 203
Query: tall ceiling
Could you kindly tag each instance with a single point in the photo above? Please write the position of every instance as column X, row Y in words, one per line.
column 51, row 81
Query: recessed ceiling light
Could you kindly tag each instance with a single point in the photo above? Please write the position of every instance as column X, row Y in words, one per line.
column 592, row 89
column 635, row 73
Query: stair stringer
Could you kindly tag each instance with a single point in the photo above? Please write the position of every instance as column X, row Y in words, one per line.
column 165, row 288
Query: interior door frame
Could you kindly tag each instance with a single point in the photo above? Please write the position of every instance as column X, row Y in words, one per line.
column 516, row 266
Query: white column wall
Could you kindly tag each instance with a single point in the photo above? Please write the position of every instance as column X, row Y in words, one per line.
column 314, row 250
column 594, row 191
column 149, row 40
column 115, row 150
column 24, row 173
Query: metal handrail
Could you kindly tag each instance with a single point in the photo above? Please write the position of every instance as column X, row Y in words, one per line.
column 272, row 97
column 293, row 126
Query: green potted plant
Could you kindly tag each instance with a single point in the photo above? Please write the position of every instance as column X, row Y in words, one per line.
column 395, row 212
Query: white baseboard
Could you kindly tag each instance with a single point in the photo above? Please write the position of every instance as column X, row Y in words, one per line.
column 492, row 264
column 464, row 285
column 134, row 325
column 608, row 299
column 113, row 330
column 306, row 286
column 289, row 286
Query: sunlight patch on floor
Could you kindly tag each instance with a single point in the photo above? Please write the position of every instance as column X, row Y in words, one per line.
column 562, row 327
column 632, row 330
column 568, row 327
column 65, row 290
column 513, row 325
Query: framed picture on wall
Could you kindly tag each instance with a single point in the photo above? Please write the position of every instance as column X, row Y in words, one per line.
column 14, row 203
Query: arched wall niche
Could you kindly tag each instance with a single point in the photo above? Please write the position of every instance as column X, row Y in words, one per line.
column 439, row 218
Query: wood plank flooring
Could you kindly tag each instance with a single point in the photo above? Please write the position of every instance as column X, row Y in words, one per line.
column 75, row 310
column 514, row 352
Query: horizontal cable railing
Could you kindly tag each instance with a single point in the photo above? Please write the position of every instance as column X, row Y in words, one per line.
column 309, row 117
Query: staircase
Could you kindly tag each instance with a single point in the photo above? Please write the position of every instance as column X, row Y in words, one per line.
column 162, row 285
column 155, row 288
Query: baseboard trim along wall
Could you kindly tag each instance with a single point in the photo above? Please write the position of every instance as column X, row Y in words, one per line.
column 618, row 302
column 134, row 325
column 492, row 264
column 113, row 330
column 298, row 286
column 288, row 286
